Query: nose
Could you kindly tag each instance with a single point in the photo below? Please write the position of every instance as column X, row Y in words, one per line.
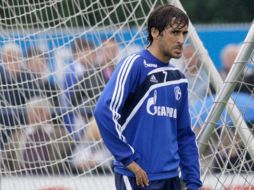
column 181, row 38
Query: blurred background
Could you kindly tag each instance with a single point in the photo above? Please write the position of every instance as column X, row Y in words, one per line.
column 225, row 21
column 56, row 57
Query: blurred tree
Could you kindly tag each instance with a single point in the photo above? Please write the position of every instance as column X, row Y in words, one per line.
column 75, row 13
column 218, row 11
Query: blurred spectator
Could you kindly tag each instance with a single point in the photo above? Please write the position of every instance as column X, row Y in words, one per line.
column 36, row 65
column 197, row 77
column 15, row 82
column 79, row 71
column 107, row 57
column 86, row 78
column 15, row 85
column 12, row 58
column 91, row 154
column 83, row 66
column 95, row 71
column 230, row 157
column 198, row 80
column 228, row 55
column 84, row 55
column 246, row 80
column 231, row 154
column 39, row 147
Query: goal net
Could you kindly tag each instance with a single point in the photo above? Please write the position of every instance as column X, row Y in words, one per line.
column 56, row 58
column 226, row 122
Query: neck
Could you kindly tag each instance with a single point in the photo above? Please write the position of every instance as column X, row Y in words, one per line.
column 157, row 53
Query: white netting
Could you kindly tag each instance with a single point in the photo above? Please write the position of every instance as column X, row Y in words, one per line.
column 227, row 159
column 56, row 57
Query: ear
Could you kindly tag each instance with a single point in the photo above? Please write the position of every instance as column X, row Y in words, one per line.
column 155, row 33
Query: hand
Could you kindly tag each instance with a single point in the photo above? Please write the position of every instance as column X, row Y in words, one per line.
column 141, row 176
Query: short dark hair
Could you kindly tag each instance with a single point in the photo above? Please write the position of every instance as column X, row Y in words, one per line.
column 34, row 51
column 80, row 44
column 162, row 17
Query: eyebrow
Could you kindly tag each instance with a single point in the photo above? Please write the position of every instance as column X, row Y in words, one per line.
column 179, row 30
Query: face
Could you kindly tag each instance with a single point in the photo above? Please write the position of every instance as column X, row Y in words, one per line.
column 11, row 59
column 38, row 115
column 229, row 58
column 86, row 57
column 37, row 65
column 192, row 63
column 169, row 43
column 109, row 51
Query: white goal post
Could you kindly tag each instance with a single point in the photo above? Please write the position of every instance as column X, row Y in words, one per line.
column 56, row 57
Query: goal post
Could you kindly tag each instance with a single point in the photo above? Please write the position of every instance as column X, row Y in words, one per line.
column 229, row 161
column 224, row 96
column 225, row 163
column 57, row 56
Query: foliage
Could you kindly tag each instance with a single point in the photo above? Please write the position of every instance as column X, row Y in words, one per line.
column 74, row 13
column 219, row 11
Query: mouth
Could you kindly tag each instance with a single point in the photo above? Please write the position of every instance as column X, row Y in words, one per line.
column 178, row 50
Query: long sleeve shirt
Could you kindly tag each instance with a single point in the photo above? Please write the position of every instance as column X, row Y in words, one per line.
column 143, row 116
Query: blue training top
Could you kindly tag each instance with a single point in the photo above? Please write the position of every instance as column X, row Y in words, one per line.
column 143, row 116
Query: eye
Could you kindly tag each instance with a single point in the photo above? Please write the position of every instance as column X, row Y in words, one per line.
column 185, row 33
column 175, row 32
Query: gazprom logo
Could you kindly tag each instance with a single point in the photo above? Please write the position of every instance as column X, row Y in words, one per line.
column 154, row 109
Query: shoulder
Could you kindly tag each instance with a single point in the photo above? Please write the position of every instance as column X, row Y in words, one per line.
column 131, row 61
column 135, row 57
column 180, row 73
column 172, row 73
column 177, row 72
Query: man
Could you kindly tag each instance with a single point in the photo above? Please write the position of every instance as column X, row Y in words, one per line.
column 38, row 146
column 15, row 85
column 79, row 87
column 37, row 67
column 228, row 55
column 77, row 80
column 143, row 112
column 198, row 80
column 109, row 53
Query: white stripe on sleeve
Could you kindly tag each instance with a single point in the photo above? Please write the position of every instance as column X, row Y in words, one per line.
column 127, row 183
column 119, row 91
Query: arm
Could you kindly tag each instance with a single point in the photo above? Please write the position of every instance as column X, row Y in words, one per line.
column 140, row 175
column 109, row 109
column 188, row 151
column 108, row 113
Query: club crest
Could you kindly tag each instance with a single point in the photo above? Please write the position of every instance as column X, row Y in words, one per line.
column 178, row 93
